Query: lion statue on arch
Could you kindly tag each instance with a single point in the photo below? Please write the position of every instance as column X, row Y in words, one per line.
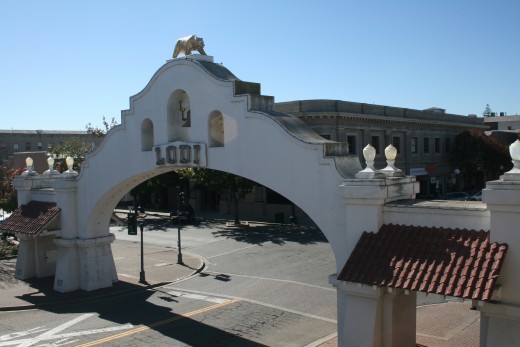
column 187, row 44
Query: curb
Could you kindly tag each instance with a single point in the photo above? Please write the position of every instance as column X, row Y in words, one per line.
column 86, row 298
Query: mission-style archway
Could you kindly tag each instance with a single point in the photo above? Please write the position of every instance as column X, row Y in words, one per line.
column 195, row 113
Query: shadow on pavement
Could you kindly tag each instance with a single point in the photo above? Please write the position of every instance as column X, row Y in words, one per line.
column 277, row 234
column 127, row 303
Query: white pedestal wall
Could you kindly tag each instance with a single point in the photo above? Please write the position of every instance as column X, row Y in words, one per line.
column 500, row 321
column 370, row 316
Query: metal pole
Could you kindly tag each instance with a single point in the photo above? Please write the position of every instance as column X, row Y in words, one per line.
column 142, row 278
column 179, row 255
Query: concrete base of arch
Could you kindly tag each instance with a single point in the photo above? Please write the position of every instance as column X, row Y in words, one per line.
column 86, row 264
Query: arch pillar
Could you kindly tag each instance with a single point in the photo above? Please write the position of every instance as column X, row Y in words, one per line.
column 373, row 316
column 83, row 262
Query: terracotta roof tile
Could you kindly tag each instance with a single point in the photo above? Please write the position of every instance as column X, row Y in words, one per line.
column 453, row 262
column 31, row 217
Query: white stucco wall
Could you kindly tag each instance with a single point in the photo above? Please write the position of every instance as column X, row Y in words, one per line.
column 259, row 146
column 440, row 214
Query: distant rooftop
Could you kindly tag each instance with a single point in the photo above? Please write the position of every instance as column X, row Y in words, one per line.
column 49, row 132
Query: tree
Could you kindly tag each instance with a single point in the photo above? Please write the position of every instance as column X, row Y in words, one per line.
column 480, row 158
column 77, row 149
column 8, row 198
column 101, row 132
column 157, row 186
column 487, row 111
column 72, row 147
column 236, row 187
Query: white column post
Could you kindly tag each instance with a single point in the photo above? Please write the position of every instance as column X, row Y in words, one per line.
column 500, row 320
column 367, row 315
column 67, row 274
column 25, row 261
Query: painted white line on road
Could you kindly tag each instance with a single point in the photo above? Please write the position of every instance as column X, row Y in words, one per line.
column 281, row 308
column 195, row 296
column 63, row 339
column 52, row 332
column 163, row 264
column 233, row 251
column 272, row 279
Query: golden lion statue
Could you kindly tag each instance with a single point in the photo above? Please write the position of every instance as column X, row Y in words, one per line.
column 187, row 44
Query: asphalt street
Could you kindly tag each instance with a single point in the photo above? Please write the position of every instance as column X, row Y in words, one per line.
column 261, row 285
column 280, row 266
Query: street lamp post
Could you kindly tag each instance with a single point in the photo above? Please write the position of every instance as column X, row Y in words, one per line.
column 142, row 277
column 179, row 196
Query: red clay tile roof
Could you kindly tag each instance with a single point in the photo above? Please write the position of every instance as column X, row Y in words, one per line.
column 453, row 262
column 31, row 217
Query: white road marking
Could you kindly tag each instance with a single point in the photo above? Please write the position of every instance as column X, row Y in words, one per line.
column 51, row 334
column 330, row 289
column 21, row 333
column 163, row 264
column 198, row 296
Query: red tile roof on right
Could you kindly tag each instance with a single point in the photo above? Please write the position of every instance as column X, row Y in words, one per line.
column 453, row 262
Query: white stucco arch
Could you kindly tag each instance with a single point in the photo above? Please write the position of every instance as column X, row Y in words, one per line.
column 274, row 149
column 227, row 126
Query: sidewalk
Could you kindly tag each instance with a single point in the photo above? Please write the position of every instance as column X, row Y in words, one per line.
column 160, row 267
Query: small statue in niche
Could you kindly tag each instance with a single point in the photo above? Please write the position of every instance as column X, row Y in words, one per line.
column 187, row 44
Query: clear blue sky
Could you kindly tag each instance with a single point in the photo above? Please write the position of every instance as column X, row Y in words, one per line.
column 64, row 64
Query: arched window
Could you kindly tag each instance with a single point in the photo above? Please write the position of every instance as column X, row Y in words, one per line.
column 179, row 116
column 146, row 135
column 216, row 129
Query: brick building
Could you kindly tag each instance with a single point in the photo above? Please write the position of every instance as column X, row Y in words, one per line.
column 15, row 141
column 423, row 138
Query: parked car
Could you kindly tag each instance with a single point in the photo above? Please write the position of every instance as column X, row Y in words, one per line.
column 477, row 196
column 460, row 196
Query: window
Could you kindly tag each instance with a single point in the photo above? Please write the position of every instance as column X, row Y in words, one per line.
column 15, row 147
column 28, row 146
column 414, row 145
column 40, row 145
column 437, row 145
column 352, row 149
column 396, row 141
column 426, row 148
column 447, row 145
column 375, row 144
column 3, row 146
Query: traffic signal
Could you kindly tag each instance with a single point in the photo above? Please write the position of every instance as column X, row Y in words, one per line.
column 132, row 223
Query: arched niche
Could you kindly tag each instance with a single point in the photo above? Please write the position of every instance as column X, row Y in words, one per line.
column 216, row 129
column 146, row 135
column 179, row 116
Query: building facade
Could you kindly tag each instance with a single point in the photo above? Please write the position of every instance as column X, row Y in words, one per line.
column 423, row 139
column 15, row 141
column 503, row 122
